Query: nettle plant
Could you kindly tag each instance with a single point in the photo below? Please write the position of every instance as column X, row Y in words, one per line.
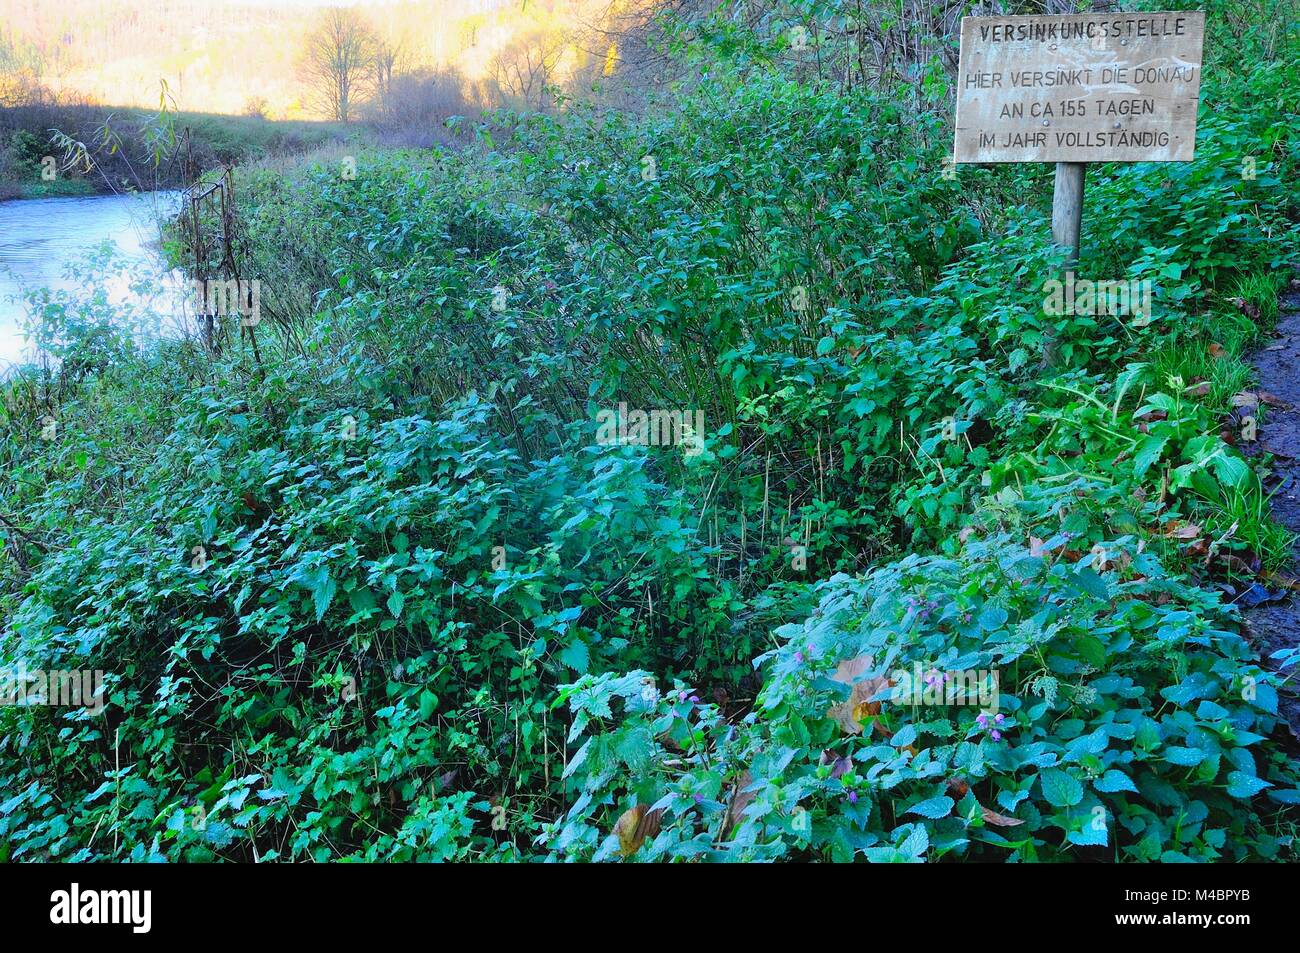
column 1130, row 724
column 1132, row 429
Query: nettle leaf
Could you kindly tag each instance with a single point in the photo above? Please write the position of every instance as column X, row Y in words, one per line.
column 1245, row 785
column 395, row 603
column 1210, row 711
column 1010, row 797
column 1093, row 743
column 933, row 808
column 1186, row 757
column 1087, row 580
column 1060, row 789
column 1147, row 736
column 428, row 703
column 1265, row 698
column 917, row 842
column 322, row 587
column 576, row 656
column 1113, row 781
column 1090, row 835
column 904, row 736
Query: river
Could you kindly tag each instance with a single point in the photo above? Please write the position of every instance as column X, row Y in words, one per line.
column 41, row 239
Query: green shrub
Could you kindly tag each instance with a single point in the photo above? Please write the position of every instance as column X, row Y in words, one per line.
column 1127, row 721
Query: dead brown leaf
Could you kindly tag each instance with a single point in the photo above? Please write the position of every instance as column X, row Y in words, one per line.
column 741, row 797
column 1176, row 529
column 634, row 826
column 1246, row 307
column 859, row 707
column 959, row 789
column 999, row 820
column 1286, row 582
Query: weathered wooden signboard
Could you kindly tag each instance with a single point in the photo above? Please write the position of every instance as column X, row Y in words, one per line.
column 1115, row 87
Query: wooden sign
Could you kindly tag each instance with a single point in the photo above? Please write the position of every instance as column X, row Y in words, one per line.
column 1116, row 87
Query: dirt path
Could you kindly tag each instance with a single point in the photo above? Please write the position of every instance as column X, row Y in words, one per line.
column 1276, row 625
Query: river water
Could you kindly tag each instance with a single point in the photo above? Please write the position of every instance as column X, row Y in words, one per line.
column 41, row 239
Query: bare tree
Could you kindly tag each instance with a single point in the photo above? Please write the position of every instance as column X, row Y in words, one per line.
column 523, row 69
column 339, row 61
column 390, row 58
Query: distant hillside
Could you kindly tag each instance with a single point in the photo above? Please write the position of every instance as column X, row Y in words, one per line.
column 228, row 56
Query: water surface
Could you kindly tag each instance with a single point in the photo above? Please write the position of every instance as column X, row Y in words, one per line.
column 41, row 238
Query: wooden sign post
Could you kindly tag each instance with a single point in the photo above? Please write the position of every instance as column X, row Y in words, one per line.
column 1074, row 89
column 1067, row 209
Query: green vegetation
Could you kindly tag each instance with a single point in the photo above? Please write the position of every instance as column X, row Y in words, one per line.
column 133, row 149
column 379, row 591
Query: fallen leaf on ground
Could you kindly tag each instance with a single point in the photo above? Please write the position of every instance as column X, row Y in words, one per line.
column 1286, row 582
column 1246, row 307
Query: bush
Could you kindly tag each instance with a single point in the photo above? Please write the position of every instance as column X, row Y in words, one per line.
column 1011, row 703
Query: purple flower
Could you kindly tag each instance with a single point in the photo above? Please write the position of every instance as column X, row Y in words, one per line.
column 798, row 657
column 695, row 699
column 681, row 696
column 853, row 797
column 699, row 798
column 982, row 720
column 999, row 718
column 997, row 735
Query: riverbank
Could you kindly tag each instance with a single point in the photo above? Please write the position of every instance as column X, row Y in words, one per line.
column 127, row 151
column 15, row 191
